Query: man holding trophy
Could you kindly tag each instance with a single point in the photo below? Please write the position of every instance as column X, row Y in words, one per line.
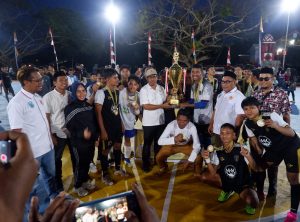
column 202, row 100
column 152, row 99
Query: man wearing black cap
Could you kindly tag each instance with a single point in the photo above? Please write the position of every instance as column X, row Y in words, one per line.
column 228, row 107
column 272, row 99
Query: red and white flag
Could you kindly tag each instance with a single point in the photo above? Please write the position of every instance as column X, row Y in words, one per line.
column 112, row 50
column 149, row 49
column 16, row 50
column 228, row 57
column 166, row 80
column 184, row 80
column 194, row 46
column 54, row 50
column 51, row 36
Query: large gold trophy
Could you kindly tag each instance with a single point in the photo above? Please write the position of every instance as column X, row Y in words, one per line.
column 175, row 76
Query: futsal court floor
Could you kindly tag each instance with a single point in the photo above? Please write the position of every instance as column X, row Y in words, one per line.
column 179, row 196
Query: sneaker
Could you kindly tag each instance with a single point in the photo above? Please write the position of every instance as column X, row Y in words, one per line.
column 250, row 210
column 107, row 180
column 81, row 192
column 112, row 163
column 93, row 168
column 224, row 196
column 89, row 185
column 120, row 172
column 291, row 217
column 127, row 162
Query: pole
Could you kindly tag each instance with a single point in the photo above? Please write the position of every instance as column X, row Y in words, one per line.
column 259, row 48
column 286, row 39
column 115, row 46
column 16, row 50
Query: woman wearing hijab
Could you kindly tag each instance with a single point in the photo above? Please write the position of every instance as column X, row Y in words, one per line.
column 81, row 124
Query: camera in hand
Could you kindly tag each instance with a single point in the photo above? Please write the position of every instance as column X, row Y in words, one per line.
column 5, row 151
column 112, row 208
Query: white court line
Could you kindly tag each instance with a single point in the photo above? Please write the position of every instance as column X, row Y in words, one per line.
column 167, row 203
column 136, row 175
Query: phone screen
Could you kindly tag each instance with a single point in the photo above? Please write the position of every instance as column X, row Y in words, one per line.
column 108, row 209
column 5, row 151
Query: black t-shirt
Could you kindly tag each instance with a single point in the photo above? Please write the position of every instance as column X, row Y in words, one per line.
column 51, row 78
column 269, row 138
column 110, row 120
column 233, row 170
column 6, row 79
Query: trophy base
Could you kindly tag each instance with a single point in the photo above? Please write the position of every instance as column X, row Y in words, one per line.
column 174, row 102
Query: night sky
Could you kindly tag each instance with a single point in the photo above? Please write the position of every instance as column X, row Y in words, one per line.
column 92, row 12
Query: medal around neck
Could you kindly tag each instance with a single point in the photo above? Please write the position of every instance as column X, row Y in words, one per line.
column 260, row 123
column 210, row 148
column 115, row 110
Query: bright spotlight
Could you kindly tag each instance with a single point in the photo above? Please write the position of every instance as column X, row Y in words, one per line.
column 290, row 5
column 292, row 42
column 112, row 13
column 279, row 51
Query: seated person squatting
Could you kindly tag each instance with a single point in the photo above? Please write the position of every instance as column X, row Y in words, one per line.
column 180, row 136
column 227, row 168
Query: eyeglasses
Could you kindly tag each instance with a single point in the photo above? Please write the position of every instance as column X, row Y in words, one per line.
column 37, row 80
column 264, row 79
column 226, row 82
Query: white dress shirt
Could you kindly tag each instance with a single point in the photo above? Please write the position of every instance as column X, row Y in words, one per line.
column 228, row 107
column 189, row 132
column 26, row 111
column 156, row 96
column 55, row 104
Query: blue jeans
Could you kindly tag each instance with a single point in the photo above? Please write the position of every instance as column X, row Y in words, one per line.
column 45, row 185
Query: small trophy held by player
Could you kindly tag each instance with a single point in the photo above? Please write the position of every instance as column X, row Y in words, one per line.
column 175, row 74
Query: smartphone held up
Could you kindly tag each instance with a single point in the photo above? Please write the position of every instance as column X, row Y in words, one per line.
column 112, row 208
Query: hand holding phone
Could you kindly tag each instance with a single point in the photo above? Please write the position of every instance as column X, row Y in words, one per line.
column 148, row 213
column 17, row 179
column 5, row 151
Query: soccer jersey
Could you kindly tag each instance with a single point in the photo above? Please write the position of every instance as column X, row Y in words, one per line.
column 110, row 110
column 233, row 170
column 128, row 114
column 269, row 138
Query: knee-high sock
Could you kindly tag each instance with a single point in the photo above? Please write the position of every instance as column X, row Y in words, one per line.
column 104, row 163
column 272, row 175
column 117, row 154
column 127, row 151
column 295, row 197
column 260, row 181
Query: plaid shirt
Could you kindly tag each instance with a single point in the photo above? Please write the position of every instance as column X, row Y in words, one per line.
column 276, row 101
